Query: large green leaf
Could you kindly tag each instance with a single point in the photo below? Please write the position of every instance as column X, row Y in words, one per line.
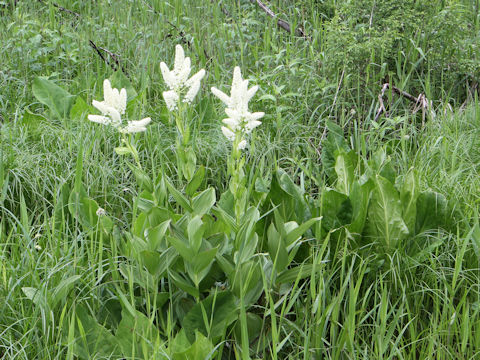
column 184, row 284
column 155, row 236
column 196, row 181
column 246, row 239
column 336, row 209
column 92, row 340
column 37, row 296
column 211, row 316
column 432, row 212
column 385, row 223
column 80, row 109
column 143, row 180
column 345, row 170
column 203, row 202
column 63, row 288
column 254, row 327
column 195, row 231
column 359, row 199
column 158, row 263
column 334, row 142
column 297, row 272
column 199, row 265
column 408, row 196
column 296, row 232
column 183, row 248
column 201, row 349
column 177, row 195
column 58, row 100
column 277, row 248
column 246, row 280
column 137, row 332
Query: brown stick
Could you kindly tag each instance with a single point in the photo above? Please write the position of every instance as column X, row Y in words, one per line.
column 280, row 23
column 421, row 102
column 115, row 65
column 61, row 8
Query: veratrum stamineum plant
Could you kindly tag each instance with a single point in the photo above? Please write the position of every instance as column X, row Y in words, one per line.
column 206, row 257
column 182, row 91
column 112, row 108
column 239, row 124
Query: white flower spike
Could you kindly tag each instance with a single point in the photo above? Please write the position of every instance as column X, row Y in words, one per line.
column 240, row 120
column 178, row 82
column 113, row 107
column 113, row 98
column 136, row 126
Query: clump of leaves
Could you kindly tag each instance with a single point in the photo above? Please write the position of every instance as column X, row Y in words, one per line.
column 364, row 38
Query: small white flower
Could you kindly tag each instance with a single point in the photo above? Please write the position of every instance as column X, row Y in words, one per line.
column 229, row 134
column 171, row 99
column 231, row 123
column 242, row 145
column 195, row 78
column 38, row 247
column 113, row 107
column 194, row 84
column 135, row 126
column 240, row 95
column 100, row 119
column 251, row 125
column 240, row 121
column 178, row 82
column 168, row 76
column 101, row 212
column 221, row 95
column 113, row 114
column 113, row 98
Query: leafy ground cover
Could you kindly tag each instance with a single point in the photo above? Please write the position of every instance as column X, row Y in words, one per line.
column 330, row 230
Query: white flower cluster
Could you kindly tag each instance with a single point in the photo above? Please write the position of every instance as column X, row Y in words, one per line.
column 240, row 121
column 178, row 82
column 113, row 107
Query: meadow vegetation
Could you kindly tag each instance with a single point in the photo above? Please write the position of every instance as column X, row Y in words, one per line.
column 308, row 224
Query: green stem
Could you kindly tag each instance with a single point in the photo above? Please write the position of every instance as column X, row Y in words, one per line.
column 133, row 150
column 237, row 177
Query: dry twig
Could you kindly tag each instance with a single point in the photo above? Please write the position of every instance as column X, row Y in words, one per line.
column 420, row 102
column 61, row 8
column 115, row 65
column 280, row 23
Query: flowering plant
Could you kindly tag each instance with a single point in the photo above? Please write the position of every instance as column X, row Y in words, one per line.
column 113, row 107
column 182, row 90
column 239, row 124
column 178, row 82
column 240, row 121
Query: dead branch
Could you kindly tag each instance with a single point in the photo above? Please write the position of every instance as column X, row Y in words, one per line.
column 280, row 23
column 61, row 8
column 115, row 63
column 420, row 102
column 471, row 90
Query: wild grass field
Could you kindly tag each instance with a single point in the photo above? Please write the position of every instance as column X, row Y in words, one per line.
column 318, row 198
